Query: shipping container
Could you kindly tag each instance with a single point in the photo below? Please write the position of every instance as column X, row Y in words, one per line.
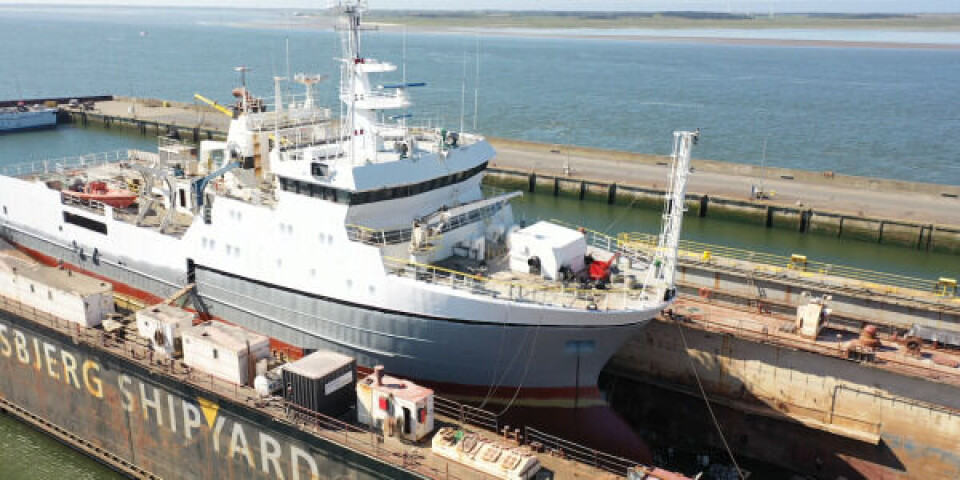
column 321, row 382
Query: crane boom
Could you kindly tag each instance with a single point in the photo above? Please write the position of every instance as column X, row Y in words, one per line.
column 220, row 108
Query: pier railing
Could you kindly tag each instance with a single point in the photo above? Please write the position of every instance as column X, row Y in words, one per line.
column 640, row 245
column 64, row 164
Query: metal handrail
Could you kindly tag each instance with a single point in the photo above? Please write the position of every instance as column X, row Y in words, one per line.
column 781, row 264
column 579, row 453
column 519, row 291
column 64, row 164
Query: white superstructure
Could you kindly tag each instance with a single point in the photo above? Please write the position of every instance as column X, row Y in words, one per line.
column 359, row 234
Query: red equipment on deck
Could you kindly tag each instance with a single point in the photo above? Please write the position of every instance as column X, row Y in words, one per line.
column 601, row 270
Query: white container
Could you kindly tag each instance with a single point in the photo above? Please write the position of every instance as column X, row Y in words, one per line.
column 553, row 245
column 224, row 351
column 162, row 325
column 61, row 293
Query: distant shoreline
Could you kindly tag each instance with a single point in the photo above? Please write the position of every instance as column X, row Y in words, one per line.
column 532, row 33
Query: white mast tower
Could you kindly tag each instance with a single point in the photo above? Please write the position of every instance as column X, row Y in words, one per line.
column 661, row 275
column 363, row 101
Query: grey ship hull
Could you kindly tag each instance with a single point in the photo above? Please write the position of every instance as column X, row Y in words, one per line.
column 524, row 365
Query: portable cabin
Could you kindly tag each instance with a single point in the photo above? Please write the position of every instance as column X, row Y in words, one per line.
column 544, row 247
column 224, row 351
column 321, row 382
column 395, row 406
column 163, row 325
column 58, row 292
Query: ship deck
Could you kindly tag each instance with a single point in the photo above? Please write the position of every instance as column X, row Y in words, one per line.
column 494, row 278
column 124, row 169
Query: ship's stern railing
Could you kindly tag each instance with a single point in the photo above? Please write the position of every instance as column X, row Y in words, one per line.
column 64, row 165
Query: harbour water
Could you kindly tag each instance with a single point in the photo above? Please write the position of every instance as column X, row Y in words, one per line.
column 880, row 112
column 26, row 454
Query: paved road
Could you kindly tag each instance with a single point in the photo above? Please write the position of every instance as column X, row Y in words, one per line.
column 908, row 206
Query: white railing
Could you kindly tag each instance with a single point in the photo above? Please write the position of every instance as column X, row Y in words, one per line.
column 64, row 164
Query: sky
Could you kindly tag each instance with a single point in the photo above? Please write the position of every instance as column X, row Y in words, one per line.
column 852, row 6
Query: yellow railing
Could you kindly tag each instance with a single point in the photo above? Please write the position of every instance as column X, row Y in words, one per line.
column 644, row 244
column 772, row 263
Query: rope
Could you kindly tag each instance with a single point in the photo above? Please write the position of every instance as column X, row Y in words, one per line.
column 526, row 369
column 706, row 400
column 493, row 381
column 621, row 215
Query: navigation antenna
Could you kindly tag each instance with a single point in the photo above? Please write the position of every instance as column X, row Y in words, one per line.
column 662, row 271
column 476, row 87
column 242, row 70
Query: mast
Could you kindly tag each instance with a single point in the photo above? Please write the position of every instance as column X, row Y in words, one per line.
column 661, row 275
column 363, row 101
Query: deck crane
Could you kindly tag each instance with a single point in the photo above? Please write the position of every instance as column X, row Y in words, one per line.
column 220, row 108
column 662, row 271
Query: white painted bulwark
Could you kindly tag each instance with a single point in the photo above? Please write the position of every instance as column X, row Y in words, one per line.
column 225, row 351
column 61, row 293
column 162, row 325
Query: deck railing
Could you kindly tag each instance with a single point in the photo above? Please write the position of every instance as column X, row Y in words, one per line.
column 64, row 164
column 572, row 295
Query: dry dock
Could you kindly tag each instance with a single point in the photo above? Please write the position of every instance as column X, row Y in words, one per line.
column 801, row 403
column 887, row 211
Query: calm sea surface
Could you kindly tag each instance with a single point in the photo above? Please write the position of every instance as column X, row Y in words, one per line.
column 880, row 112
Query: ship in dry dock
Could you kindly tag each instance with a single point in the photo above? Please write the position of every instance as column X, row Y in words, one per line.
column 158, row 392
column 363, row 235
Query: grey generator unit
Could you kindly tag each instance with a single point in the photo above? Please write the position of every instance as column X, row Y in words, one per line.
column 322, row 382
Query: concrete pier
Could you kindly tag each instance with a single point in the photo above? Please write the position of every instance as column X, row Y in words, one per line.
column 914, row 214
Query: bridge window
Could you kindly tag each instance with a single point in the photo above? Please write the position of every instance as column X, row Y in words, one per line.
column 371, row 196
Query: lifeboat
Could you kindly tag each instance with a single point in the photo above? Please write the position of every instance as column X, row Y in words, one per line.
column 101, row 192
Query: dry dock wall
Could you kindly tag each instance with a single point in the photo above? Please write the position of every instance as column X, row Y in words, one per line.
column 853, row 305
column 173, row 430
column 817, row 414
